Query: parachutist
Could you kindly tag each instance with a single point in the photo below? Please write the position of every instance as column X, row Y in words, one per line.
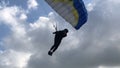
column 59, row 35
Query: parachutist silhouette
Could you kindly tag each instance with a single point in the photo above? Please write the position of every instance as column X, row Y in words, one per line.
column 59, row 35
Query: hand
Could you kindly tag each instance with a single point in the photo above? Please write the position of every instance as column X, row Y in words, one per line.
column 53, row 32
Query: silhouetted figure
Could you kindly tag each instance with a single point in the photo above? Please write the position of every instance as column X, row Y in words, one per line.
column 59, row 35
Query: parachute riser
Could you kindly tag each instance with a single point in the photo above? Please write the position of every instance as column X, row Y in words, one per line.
column 55, row 26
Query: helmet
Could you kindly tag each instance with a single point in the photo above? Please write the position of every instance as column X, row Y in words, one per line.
column 66, row 30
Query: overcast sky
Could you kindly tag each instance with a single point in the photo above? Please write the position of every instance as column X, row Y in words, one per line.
column 26, row 36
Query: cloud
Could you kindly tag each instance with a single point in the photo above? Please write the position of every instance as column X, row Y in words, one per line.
column 13, row 59
column 13, row 55
column 32, row 4
column 23, row 38
column 11, row 16
column 23, row 17
column 95, row 45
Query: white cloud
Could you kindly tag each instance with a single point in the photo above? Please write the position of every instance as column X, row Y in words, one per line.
column 7, row 15
column 23, row 17
column 32, row 4
column 13, row 59
column 10, row 17
column 95, row 45
column 15, row 44
column 90, row 6
column 42, row 21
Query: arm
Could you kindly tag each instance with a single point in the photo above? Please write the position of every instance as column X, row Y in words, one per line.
column 55, row 32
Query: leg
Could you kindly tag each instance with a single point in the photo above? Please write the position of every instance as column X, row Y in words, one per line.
column 55, row 48
column 50, row 51
column 52, row 48
column 56, row 45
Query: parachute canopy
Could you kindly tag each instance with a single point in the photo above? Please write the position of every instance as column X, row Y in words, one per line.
column 73, row 11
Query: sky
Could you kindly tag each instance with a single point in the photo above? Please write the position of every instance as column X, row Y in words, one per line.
column 26, row 28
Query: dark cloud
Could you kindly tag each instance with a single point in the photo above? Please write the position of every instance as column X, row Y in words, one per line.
column 97, row 46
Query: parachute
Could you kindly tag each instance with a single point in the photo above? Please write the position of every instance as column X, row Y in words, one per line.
column 73, row 11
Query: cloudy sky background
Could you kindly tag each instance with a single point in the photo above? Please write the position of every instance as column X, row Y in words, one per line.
column 26, row 28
